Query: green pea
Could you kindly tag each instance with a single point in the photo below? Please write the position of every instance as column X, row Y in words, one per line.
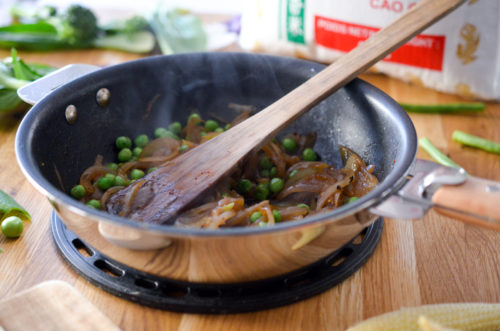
column 289, row 144
column 309, row 155
column 183, row 148
column 105, row 182
column 203, row 133
column 264, row 173
column 150, row 170
column 78, row 192
column 141, row 140
column 94, row 204
column 136, row 174
column 227, row 126
column 261, row 191
column 244, row 186
column 276, row 185
column 137, row 151
column 303, row 205
column 352, row 199
column 272, row 172
column 262, row 223
column 125, row 155
column 255, row 216
column 12, row 227
column 195, row 117
column 160, row 132
column 277, row 215
column 219, row 130
column 119, row 181
column 211, row 125
column 175, row 127
column 108, row 175
column 123, row 142
column 170, row 134
column 291, row 174
column 112, row 166
column 265, row 163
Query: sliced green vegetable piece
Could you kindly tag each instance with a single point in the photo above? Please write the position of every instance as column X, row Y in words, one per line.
column 444, row 108
column 436, row 154
column 9, row 207
column 475, row 141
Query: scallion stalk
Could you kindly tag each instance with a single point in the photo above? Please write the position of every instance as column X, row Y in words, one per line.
column 445, row 108
column 436, row 154
column 476, row 142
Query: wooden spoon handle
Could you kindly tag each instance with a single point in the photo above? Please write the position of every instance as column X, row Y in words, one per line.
column 346, row 68
column 477, row 201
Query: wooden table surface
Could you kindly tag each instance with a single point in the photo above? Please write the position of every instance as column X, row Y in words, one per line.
column 432, row 260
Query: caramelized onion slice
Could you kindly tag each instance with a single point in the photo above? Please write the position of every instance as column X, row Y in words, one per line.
column 160, row 147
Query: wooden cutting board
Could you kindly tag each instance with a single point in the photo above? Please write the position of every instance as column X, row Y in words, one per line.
column 52, row 305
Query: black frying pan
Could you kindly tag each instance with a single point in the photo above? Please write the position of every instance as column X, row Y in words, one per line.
column 156, row 91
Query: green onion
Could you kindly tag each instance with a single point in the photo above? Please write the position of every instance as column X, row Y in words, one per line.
column 436, row 154
column 445, row 108
column 477, row 142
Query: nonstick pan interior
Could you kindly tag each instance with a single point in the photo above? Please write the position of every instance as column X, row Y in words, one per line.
column 156, row 91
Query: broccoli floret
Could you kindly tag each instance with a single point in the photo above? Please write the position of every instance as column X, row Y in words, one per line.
column 135, row 23
column 130, row 25
column 78, row 25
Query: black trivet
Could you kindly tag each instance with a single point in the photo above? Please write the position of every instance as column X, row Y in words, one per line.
column 186, row 297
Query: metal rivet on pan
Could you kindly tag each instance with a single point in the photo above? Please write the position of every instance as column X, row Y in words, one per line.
column 103, row 96
column 71, row 114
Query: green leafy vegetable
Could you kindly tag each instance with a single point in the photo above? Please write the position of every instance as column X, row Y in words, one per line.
column 436, row 154
column 9, row 101
column 9, row 207
column 14, row 74
column 477, row 142
column 446, row 108
column 47, row 29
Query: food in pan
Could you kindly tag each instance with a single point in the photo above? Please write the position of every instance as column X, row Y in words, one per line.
column 283, row 181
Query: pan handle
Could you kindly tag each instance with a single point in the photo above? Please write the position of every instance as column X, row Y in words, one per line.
column 477, row 201
column 40, row 88
column 450, row 191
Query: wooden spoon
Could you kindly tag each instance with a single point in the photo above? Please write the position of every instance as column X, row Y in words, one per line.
column 163, row 193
